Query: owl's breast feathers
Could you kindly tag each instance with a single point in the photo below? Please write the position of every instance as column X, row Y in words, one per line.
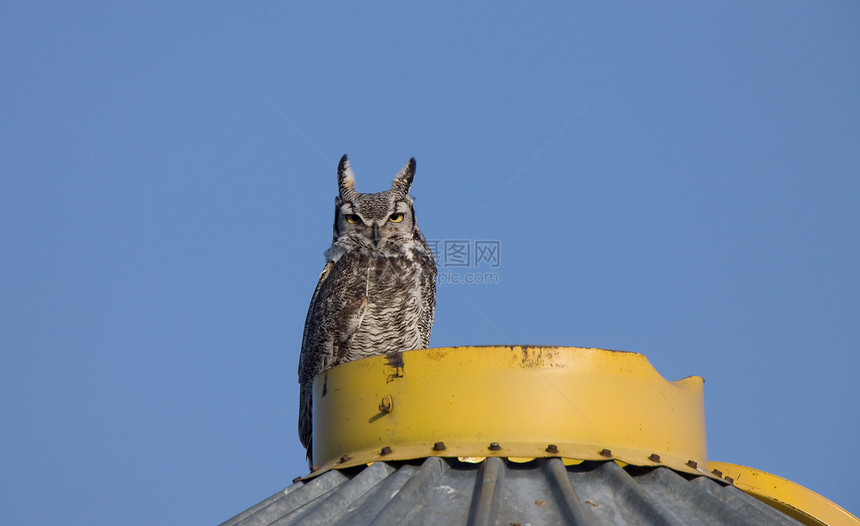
column 373, row 303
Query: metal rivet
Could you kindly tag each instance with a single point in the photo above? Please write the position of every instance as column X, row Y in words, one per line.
column 494, row 446
column 605, row 453
column 718, row 473
column 693, row 464
column 386, row 404
column 552, row 448
column 384, row 451
column 654, row 457
column 345, row 458
column 439, row 446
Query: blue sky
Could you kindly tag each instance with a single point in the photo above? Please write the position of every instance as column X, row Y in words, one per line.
column 677, row 180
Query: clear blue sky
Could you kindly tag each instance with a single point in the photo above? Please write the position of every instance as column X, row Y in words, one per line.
column 679, row 181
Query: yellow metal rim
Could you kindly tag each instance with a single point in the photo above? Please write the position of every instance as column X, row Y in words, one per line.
column 792, row 499
column 519, row 402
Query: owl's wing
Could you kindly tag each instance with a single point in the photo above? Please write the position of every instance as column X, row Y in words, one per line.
column 427, row 262
column 335, row 314
column 315, row 340
column 428, row 295
column 310, row 331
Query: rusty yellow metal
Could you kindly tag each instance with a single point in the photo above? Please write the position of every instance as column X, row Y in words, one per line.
column 794, row 500
column 512, row 401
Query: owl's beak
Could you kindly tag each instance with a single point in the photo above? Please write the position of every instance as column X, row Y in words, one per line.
column 376, row 235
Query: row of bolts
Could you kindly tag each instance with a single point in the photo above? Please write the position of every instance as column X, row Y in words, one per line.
column 385, row 406
column 551, row 448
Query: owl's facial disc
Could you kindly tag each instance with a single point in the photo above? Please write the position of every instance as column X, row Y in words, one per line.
column 375, row 221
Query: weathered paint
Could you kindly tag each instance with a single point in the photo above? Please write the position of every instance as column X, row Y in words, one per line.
column 522, row 397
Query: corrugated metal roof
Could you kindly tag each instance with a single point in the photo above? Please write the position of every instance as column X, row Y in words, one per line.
column 503, row 493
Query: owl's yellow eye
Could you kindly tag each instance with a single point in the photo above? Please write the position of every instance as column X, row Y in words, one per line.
column 352, row 219
column 396, row 218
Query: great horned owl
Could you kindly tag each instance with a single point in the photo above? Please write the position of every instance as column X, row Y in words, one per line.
column 377, row 292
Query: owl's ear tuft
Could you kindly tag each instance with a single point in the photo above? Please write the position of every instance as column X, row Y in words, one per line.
column 403, row 180
column 345, row 179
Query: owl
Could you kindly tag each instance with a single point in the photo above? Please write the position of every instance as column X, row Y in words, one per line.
column 377, row 291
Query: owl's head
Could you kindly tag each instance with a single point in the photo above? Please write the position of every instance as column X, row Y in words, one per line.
column 374, row 221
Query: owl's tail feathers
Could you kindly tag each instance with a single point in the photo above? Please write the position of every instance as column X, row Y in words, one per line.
column 306, row 424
